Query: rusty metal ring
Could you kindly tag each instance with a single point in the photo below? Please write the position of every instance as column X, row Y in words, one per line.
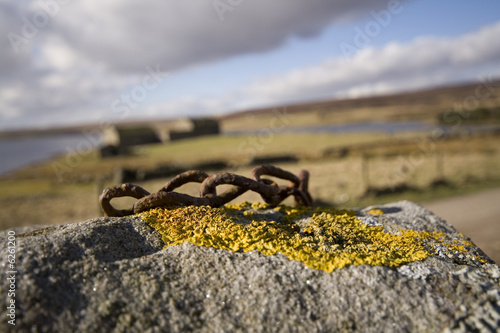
column 124, row 190
column 168, row 199
column 304, row 187
column 192, row 176
column 269, row 190
column 273, row 171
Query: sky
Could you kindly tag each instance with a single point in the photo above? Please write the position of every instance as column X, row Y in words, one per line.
column 70, row 62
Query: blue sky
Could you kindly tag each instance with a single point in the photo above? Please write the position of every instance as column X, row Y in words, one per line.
column 88, row 61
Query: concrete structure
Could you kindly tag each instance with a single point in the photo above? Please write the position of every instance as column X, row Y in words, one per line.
column 119, row 139
column 126, row 136
column 189, row 128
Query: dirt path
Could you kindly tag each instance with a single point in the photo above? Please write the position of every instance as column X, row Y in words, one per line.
column 475, row 215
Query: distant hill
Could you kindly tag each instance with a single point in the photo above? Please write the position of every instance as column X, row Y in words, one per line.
column 422, row 105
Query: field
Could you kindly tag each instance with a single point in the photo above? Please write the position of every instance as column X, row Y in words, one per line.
column 373, row 169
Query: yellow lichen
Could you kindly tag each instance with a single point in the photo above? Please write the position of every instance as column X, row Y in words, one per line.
column 324, row 239
column 450, row 246
column 375, row 211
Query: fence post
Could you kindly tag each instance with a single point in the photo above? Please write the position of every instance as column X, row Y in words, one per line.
column 99, row 186
column 365, row 171
column 440, row 164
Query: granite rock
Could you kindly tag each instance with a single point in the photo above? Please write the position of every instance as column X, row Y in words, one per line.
column 114, row 274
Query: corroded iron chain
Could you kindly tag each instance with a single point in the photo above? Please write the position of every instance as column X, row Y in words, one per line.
column 271, row 192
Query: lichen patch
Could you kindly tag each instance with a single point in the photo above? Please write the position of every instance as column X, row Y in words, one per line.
column 324, row 239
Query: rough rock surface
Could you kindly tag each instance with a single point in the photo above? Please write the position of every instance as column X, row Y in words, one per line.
column 113, row 274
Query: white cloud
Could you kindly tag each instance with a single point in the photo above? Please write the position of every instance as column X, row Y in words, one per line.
column 64, row 61
column 420, row 63
column 424, row 62
column 56, row 55
column 10, row 16
column 176, row 34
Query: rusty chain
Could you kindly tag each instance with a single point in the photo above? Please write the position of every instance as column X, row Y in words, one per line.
column 270, row 191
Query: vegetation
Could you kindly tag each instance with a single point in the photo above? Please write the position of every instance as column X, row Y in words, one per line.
column 477, row 115
column 413, row 166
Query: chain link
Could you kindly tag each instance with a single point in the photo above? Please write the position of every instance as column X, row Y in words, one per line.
column 270, row 191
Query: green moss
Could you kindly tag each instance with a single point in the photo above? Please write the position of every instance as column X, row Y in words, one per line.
column 324, row 239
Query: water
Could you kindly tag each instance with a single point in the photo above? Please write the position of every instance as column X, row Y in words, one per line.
column 391, row 127
column 367, row 127
column 387, row 127
column 20, row 152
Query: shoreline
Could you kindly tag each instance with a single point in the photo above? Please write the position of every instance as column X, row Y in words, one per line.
column 24, row 152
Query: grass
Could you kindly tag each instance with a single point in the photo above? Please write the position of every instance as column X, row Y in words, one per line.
column 237, row 149
column 35, row 195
